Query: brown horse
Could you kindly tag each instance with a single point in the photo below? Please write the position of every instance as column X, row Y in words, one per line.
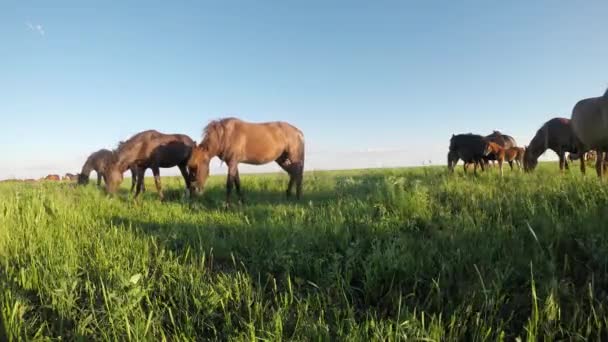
column 235, row 141
column 503, row 140
column 149, row 149
column 54, row 178
column 555, row 134
column 99, row 161
column 495, row 153
column 515, row 155
column 590, row 125
column 471, row 148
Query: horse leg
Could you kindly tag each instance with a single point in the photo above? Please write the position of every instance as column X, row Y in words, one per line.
column 500, row 161
column 133, row 179
column 237, row 185
column 159, row 188
column 232, row 171
column 510, row 164
column 583, row 166
column 475, row 168
column 294, row 170
column 598, row 164
column 299, row 178
column 184, row 172
column 561, row 161
column 140, row 180
column 99, row 175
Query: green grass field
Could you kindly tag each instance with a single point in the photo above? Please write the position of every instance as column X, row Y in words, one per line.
column 366, row 255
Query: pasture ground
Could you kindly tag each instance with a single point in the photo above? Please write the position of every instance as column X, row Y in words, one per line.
column 366, row 255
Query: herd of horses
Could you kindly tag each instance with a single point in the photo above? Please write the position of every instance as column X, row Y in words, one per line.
column 232, row 140
column 584, row 136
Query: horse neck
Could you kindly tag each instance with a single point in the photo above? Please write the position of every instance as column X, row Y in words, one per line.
column 87, row 168
column 212, row 148
column 122, row 160
column 539, row 143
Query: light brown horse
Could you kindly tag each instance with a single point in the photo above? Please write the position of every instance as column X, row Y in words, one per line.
column 149, row 149
column 54, row 178
column 557, row 135
column 590, row 125
column 99, row 162
column 515, row 154
column 497, row 153
column 235, row 141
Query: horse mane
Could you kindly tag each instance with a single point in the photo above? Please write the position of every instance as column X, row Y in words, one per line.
column 214, row 132
column 539, row 142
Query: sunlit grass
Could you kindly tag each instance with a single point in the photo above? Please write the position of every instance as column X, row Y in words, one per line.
column 367, row 255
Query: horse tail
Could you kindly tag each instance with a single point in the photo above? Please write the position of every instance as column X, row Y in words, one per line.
column 301, row 147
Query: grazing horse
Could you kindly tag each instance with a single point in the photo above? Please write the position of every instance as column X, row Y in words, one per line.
column 99, row 162
column 69, row 177
column 149, row 149
column 54, row 178
column 471, row 148
column 235, row 141
column 557, row 135
column 515, row 154
column 590, row 125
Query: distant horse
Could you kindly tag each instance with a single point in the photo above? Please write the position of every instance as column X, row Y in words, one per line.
column 235, row 141
column 69, row 177
column 495, row 152
column 503, row 140
column 590, row 125
column 557, row 135
column 54, row 178
column 590, row 156
column 149, row 149
column 471, row 148
column 99, row 162
column 515, row 154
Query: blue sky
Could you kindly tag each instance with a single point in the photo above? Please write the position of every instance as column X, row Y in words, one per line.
column 371, row 83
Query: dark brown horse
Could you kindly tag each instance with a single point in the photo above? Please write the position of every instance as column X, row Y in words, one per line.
column 503, row 140
column 149, row 149
column 99, row 162
column 471, row 148
column 234, row 141
column 590, row 125
column 557, row 135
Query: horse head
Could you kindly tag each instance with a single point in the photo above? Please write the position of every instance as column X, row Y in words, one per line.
column 198, row 168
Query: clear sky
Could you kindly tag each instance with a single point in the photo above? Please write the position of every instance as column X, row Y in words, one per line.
column 371, row 83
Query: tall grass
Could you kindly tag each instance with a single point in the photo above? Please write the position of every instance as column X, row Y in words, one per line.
column 366, row 255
